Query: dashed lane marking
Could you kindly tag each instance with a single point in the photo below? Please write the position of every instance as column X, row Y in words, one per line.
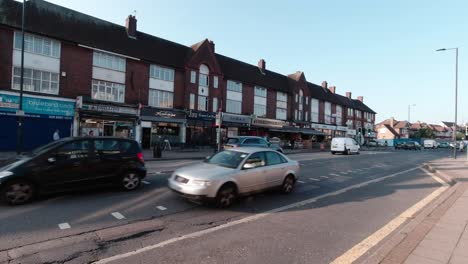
column 248, row 219
column 162, row 208
column 313, row 179
column 325, row 177
column 300, row 181
column 63, row 226
column 118, row 215
column 145, row 182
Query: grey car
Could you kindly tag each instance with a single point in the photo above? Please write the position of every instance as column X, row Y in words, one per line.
column 250, row 141
column 235, row 172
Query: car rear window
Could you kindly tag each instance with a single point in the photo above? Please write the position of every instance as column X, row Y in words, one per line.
column 233, row 140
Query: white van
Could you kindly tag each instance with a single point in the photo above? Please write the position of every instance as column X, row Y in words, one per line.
column 430, row 143
column 344, row 145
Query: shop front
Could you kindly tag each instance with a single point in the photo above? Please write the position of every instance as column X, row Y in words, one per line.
column 262, row 126
column 201, row 130
column 236, row 125
column 98, row 118
column 43, row 115
column 341, row 131
column 328, row 130
column 160, row 125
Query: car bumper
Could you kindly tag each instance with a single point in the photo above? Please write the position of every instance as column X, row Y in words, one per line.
column 191, row 191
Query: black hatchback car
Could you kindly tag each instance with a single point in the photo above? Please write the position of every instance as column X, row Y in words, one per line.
column 73, row 163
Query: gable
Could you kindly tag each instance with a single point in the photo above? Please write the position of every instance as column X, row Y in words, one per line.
column 203, row 54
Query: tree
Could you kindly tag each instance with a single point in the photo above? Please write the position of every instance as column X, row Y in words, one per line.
column 460, row 136
column 424, row 132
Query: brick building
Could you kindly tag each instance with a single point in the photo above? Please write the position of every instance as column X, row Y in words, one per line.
column 84, row 74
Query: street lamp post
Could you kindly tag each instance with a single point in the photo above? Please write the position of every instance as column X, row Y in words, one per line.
column 20, row 113
column 456, row 101
column 409, row 111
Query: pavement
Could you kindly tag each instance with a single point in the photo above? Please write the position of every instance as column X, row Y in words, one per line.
column 443, row 235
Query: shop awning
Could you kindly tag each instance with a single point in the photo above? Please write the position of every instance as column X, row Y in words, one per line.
column 307, row 131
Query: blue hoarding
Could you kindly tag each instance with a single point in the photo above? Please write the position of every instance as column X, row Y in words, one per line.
column 37, row 107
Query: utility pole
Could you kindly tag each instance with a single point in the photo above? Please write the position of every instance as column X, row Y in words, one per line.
column 20, row 113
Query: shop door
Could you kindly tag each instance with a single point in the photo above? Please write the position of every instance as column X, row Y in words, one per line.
column 146, row 138
column 108, row 130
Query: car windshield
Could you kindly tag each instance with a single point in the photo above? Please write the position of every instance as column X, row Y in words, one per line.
column 233, row 141
column 229, row 159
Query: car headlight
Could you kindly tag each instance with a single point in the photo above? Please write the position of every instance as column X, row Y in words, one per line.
column 201, row 182
column 4, row 174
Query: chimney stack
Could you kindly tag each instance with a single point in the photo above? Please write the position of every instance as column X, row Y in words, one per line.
column 325, row 84
column 348, row 94
column 262, row 65
column 361, row 98
column 332, row 89
column 392, row 121
column 212, row 45
column 131, row 26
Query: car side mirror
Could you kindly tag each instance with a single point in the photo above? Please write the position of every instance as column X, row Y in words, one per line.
column 249, row 166
column 51, row 160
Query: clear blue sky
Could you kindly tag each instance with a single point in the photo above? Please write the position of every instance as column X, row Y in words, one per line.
column 383, row 50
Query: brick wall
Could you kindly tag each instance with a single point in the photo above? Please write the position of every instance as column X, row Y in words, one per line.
column 136, row 82
column 271, row 104
column 77, row 63
column 179, row 89
column 247, row 99
column 6, row 57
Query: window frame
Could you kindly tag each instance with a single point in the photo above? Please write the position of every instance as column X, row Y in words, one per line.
column 120, row 88
column 55, row 46
column 161, row 103
column 30, row 80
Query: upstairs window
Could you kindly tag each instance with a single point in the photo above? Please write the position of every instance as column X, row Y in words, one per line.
column 162, row 73
column 203, row 75
column 38, row 45
column 108, row 61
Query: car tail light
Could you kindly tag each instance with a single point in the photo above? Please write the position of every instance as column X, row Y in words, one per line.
column 140, row 157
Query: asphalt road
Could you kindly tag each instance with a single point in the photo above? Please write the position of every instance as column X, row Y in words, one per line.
column 316, row 232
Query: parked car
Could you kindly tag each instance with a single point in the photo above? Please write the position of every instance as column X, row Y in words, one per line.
column 344, row 145
column 73, row 163
column 444, row 145
column 430, row 143
column 412, row 145
column 235, row 172
column 400, row 145
column 372, row 143
column 249, row 141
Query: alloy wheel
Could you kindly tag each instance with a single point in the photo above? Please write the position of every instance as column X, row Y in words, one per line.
column 131, row 181
column 288, row 185
column 18, row 193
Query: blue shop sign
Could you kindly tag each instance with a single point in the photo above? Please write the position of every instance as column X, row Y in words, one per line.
column 37, row 107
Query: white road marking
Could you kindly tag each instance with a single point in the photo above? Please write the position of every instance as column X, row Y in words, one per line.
column 313, row 179
column 64, row 226
column 158, row 172
column 333, row 174
column 360, row 249
column 118, row 215
column 246, row 219
column 162, row 208
column 325, row 177
column 145, row 182
column 300, row 181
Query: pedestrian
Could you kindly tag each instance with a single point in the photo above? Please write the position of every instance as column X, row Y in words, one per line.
column 56, row 135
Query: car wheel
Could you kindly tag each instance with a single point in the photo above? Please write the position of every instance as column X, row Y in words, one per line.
column 333, row 152
column 18, row 192
column 130, row 181
column 288, row 184
column 348, row 152
column 226, row 196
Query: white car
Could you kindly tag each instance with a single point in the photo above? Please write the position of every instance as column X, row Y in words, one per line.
column 430, row 143
column 344, row 145
column 234, row 172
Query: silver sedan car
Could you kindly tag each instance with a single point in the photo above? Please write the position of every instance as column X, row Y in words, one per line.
column 231, row 173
